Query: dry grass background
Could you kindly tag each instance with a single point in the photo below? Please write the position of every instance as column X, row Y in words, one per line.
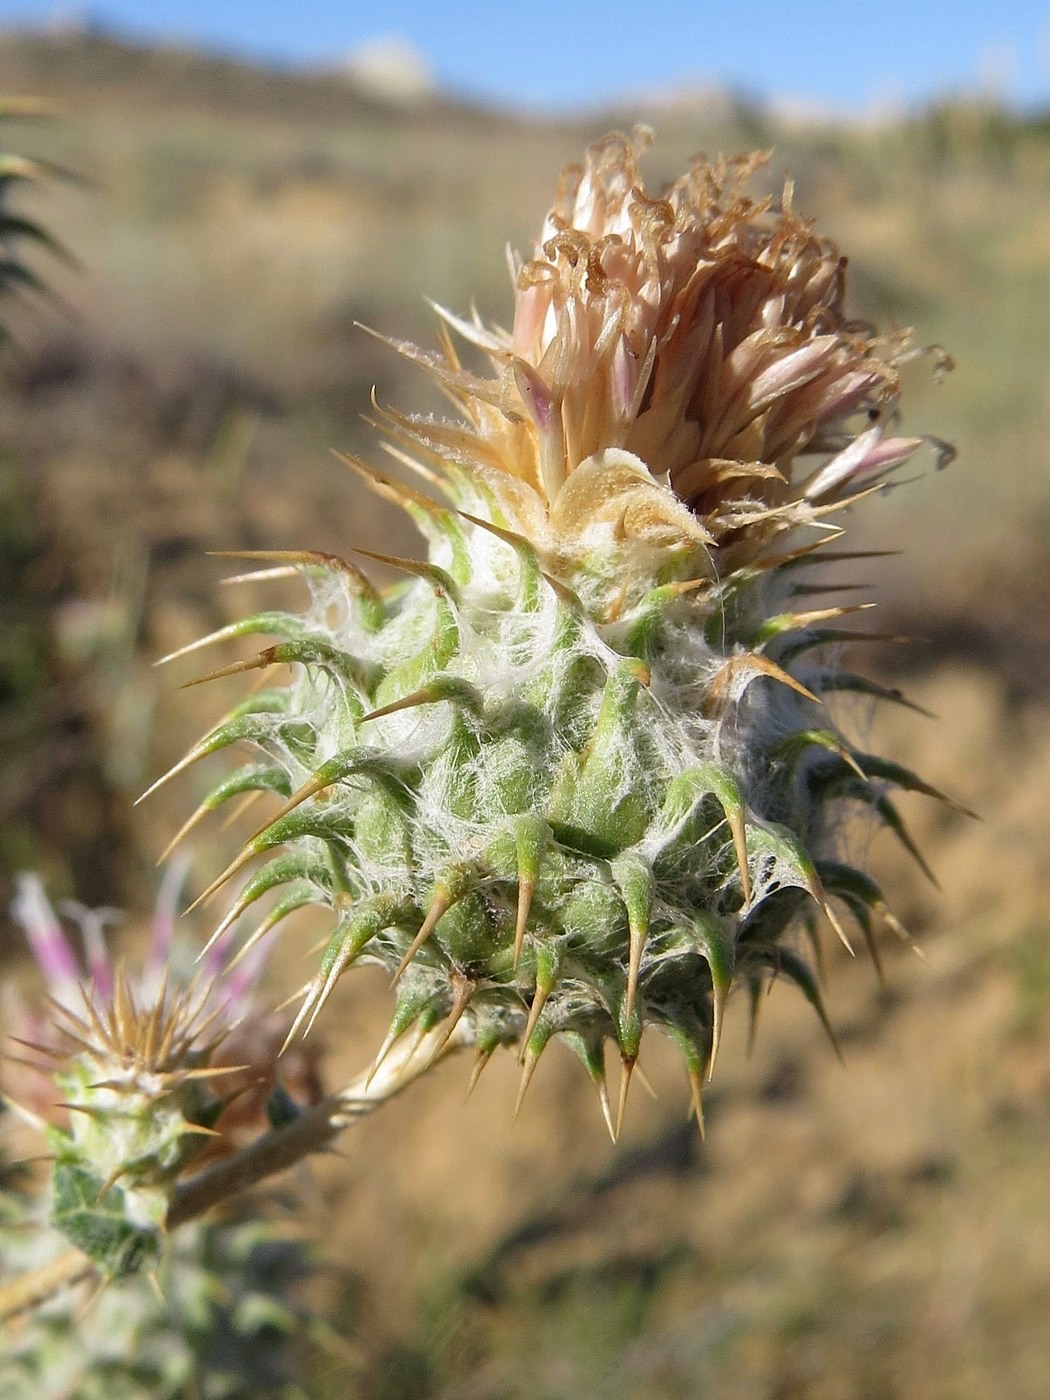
column 882, row 1231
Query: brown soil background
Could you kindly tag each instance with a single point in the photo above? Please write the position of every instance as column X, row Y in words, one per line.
column 881, row 1230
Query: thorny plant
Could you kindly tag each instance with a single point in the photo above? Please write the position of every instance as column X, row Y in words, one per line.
column 582, row 772
column 222, row 1313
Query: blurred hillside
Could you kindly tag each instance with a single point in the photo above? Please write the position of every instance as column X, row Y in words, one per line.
column 878, row 1234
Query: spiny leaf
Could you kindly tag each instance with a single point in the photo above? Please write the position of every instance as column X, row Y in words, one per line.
column 98, row 1222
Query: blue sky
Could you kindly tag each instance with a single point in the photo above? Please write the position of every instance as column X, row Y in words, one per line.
column 574, row 53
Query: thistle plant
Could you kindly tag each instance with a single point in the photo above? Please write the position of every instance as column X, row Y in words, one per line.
column 139, row 1056
column 578, row 774
column 153, row 1071
column 174, row 1100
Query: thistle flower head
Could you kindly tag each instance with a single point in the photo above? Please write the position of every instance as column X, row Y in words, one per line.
column 136, row 1031
column 144, row 1063
column 576, row 778
column 696, row 341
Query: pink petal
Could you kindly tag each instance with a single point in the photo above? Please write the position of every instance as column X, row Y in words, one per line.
column 48, row 944
column 866, row 453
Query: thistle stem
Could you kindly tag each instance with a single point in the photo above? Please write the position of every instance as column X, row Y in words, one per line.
column 28, row 1291
column 312, row 1131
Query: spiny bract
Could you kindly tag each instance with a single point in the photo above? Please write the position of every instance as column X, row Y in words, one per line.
column 574, row 777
